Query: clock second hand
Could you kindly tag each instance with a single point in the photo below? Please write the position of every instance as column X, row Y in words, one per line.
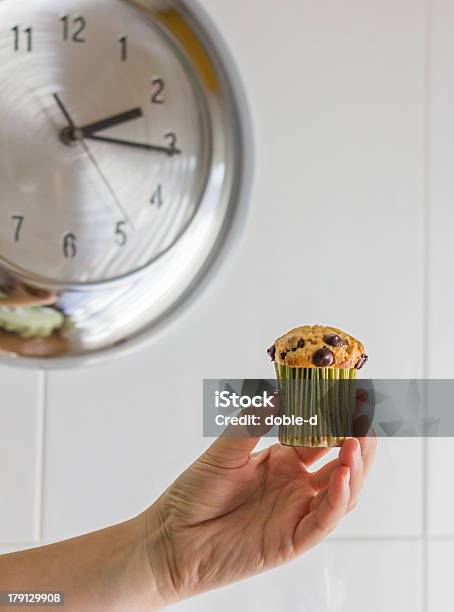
column 107, row 184
column 93, row 160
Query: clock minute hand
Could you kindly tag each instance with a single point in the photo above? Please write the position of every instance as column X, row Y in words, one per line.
column 64, row 111
column 103, row 124
column 137, row 145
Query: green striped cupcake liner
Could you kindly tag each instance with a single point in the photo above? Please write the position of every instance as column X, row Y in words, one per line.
column 315, row 392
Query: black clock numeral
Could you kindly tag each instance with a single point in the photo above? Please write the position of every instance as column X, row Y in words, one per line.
column 124, row 48
column 156, row 198
column 69, row 246
column 79, row 24
column 158, row 86
column 171, row 137
column 18, row 36
column 19, row 219
column 121, row 236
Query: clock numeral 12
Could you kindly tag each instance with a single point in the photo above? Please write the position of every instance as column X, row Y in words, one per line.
column 69, row 246
column 80, row 24
column 17, row 38
column 19, row 221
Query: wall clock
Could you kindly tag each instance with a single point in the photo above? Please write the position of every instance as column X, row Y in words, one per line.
column 120, row 164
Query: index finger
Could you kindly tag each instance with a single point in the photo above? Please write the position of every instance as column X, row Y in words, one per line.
column 233, row 448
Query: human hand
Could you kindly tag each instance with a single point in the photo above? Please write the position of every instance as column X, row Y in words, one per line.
column 231, row 514
column 234, row 513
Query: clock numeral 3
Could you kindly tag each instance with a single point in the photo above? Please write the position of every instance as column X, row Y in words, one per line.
column 156, row 198
column 158, row 86
column 171, row 137
column 70, row 246
column 17, row 38
column 79, row 26
column 121, row 236
column 19, row 219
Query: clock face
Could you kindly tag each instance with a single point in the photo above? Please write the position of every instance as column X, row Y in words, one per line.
column 105, row 139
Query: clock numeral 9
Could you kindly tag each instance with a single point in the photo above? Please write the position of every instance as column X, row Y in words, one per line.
column 121, row 236
column 17, row 38
column 158, row 86
column 19, row 219
column 80, row 25
column 70, row 246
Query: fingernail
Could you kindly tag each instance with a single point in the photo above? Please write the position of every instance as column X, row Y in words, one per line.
column 347, row 478
column 357, row 453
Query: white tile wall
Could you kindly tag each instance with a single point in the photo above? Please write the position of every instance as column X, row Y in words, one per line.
column 361, row 159
column 21, row 435
column 440, row 494
column 440, row 556
column 116, row 436
column 372, row 576
column 391, row 504
column 441, row 289
column 441, row 191
column 344, row 113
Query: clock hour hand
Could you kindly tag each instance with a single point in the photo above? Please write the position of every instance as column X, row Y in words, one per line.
column 103, row 124
column 137, row 145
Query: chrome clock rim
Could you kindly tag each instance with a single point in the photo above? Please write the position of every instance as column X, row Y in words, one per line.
column 204, row 238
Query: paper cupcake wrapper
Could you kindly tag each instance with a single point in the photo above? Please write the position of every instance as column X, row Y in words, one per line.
column 326, row 396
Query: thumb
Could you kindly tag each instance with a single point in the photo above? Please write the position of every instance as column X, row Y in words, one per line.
column 234, row 446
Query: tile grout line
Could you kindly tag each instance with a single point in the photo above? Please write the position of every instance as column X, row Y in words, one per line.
column 39, row 458
column 378, row 538
column 426, row 297
column 42, row 454
column 334, row 540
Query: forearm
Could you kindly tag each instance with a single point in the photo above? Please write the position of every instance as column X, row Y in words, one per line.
column 104, row 570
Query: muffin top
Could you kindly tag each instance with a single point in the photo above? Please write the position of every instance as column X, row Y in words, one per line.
column 318, row 346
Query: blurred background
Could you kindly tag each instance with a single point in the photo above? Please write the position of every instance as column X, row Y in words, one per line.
column 348, row 223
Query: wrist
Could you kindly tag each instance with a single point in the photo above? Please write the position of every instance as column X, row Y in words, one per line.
column 159, row 560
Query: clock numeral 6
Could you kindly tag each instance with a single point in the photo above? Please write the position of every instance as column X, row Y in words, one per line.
column 19, row 219
column 79, row 26
column 70, row 246
column 121, row 236
column 17, row 38
column 158, row 86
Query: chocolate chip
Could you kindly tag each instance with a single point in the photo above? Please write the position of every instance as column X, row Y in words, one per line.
column 272, row 352
column 300, row 343
column 361, row 362
column 333, row 340
column 322, row 358
column 283, row 354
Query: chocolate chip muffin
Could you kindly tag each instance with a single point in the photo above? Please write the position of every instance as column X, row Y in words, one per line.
column 318, row 346
column 316, row 368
